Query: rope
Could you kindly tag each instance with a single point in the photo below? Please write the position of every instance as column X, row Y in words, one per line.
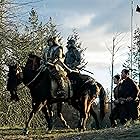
column 41, row 68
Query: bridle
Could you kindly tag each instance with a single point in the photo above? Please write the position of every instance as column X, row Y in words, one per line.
column 40, row 69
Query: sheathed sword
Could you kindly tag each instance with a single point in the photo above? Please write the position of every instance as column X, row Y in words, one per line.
column 82, row 69
column 88, row 71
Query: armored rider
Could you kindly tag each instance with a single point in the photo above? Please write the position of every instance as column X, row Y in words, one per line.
column 54, row 58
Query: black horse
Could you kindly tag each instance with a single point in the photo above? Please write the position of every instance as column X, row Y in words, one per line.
column 40, row 84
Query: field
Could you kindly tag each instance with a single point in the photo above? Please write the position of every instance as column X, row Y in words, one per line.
column 129, row 132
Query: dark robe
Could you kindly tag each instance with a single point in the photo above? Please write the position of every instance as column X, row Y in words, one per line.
column 115, row 113
column 128, row 89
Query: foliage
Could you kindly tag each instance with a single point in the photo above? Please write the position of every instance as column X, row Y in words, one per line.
column 135, row 56
column 16, row 43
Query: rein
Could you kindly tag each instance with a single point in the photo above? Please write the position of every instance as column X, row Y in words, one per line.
column 41, row 68
column 35, row 76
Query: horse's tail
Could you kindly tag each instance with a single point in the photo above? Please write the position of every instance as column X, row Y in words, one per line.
column 70, row 91
column 103, row 102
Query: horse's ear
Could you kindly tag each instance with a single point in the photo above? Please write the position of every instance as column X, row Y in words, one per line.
column 30, row 55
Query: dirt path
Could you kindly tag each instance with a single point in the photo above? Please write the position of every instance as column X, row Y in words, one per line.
column 120, row 133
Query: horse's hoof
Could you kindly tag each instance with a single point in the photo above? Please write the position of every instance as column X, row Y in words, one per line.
column 68, row 127
column 25, row 131
column 98, row 128
column 49, row 131
column 79, row 129
column 84, row 129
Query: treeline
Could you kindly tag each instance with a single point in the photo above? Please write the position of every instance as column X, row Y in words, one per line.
column 17, row 40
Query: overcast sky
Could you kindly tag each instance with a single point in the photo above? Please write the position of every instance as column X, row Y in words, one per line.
column 97, row 22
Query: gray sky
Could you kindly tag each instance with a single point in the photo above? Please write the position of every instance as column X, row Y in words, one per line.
column 97, row 21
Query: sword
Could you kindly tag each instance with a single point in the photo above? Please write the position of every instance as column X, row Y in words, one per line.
column 88, row 71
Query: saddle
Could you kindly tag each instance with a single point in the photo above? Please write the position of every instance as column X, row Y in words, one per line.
column 81, row 82
column 57, row 73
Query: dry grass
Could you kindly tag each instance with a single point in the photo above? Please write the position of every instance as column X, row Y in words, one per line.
column 128, row 132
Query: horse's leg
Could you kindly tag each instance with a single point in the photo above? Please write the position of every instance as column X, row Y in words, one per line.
column 77, row 105
column 48, row 115
column 94, row 115
column 83, row 120
column 14, row 95
column 84, row 113
column 60, row 115
column 90, row 104
column 36, row 107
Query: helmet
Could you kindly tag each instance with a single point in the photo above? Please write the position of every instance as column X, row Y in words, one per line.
column 71, row 41
column 55, row 40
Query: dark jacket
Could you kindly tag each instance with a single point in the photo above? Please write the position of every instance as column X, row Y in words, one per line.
column 73, row 58
column 128, row 89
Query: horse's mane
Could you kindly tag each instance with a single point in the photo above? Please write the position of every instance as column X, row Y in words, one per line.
column 33, row 56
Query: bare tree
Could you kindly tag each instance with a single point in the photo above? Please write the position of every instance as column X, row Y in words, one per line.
column 116, row 45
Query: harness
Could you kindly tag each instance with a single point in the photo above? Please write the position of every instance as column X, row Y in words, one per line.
column 41, row 69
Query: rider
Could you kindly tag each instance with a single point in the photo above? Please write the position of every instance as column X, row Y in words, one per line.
column 54, row 58
column 73, row 56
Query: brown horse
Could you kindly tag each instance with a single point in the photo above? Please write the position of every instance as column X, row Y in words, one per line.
column 40, row 84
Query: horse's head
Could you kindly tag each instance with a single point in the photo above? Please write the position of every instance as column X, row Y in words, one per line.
column 30, row 69
column 33, row 62
column 32, row 72
column 15, row 77
column 15, row 73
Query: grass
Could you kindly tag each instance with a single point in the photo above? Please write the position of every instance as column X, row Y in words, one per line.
column 131, row 131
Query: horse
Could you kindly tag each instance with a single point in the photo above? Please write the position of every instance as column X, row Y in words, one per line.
column 39, row 82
